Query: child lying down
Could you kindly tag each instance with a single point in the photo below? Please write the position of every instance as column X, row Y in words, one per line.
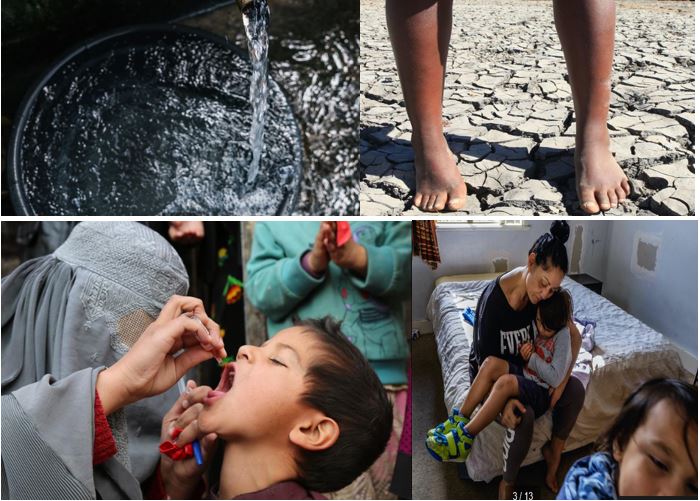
column 302, row 414
column 547, row 362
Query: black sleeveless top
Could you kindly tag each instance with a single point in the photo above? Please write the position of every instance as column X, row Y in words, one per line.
column 499, row 330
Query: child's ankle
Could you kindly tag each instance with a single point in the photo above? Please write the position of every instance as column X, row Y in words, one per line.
column 427, row 137
column 466, row 431
column 593, row 135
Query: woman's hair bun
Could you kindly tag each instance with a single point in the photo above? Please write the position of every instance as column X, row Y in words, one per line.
column 549, row 248
column 560, row 231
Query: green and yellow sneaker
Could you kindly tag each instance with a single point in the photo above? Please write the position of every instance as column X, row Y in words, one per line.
column 455, row 445
column 450, row 424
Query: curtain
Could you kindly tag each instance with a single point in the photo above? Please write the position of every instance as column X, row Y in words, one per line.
column 425, row 243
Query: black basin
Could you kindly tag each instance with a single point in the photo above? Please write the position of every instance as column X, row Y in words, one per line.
column 150, row 120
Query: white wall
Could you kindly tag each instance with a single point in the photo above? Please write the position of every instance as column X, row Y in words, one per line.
column 474, row 250
column 665, row 298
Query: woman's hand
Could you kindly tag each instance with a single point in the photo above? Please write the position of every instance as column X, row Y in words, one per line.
column 186, row 232
column 351, row 256
column 509, row 418
column 181, row 478
column 150, row 367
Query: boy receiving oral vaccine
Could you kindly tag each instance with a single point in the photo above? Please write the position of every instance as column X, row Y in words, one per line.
column 302, row 414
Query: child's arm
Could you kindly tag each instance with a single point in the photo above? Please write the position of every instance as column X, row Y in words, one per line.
column 276, row 282
column 575, row 347
column 554, row 372
column 387, row 262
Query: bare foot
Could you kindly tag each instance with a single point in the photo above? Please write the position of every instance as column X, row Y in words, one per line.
column 552, row 461
column 505, row 490
column 601, row 181
column 439, row 184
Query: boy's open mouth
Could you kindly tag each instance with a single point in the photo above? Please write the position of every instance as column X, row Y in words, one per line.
column 228, row 374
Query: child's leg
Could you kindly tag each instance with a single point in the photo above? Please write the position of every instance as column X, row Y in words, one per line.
column 586, row 30
column 448, row 441
column 420, row 34
column 505, row 388
column 491, row 369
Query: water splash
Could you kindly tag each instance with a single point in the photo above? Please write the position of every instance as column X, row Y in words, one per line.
column 157, row 124
column 314, row 52
column 256, row 19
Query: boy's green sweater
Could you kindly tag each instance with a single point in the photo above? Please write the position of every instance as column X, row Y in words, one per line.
column 370, row 309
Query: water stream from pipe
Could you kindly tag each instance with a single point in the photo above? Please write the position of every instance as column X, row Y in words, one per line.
column 256, row 19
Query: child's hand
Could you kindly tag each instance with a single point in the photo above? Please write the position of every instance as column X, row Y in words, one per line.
column 351, row 256
column 526, row 351
column 181, row 478
column 149, row 368
column 318, row 256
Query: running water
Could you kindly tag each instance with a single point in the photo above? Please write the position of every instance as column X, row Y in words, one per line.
column 256, row 18
column 157, row 123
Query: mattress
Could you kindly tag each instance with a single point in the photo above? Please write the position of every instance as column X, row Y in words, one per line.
column 627, row 352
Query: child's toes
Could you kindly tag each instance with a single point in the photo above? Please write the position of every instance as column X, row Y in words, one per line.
column 418, row 200
column 621, row 195
column 588, row 202
column 427, row 202
column 603, row 200
column 455, row 204
column 625, row 185
column 457, row 197
column 440, row 201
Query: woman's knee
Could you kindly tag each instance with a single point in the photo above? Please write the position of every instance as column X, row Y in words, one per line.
column 573, row 395
column 567, row 409
column 577, row 388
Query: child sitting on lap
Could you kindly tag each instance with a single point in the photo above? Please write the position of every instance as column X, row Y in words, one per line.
column 301, row 414
column 650, row 450
column 547, row 362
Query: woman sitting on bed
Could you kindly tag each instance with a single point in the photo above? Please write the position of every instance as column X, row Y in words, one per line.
column 505, row 316
column 547, row 363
